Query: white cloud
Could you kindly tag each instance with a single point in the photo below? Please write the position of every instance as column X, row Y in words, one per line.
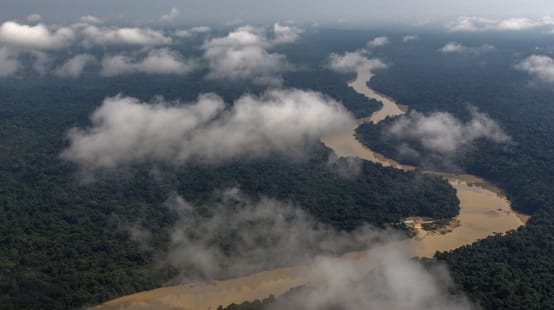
column 242, row 36
column 452, row 47
column 472, row 24
column 242, row 55
column 35, row 37
column 89, row 19
column 517, row 24
column 185, row 33
column 34, row 18
column 353, row 62
column 157, row 61
column 539, row 66
column 444, row 134
column 408, row 38
column 456, row 47
column 378, row 41
column 172, row 15
column 8, row 62
column 123, row 36
column 285, row 34
column 126, row 131
column 74, row 66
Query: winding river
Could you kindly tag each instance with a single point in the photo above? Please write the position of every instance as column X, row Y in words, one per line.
column 484, row 210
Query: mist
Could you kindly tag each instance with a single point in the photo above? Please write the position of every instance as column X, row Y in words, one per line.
column 540, row 67
column 126, row 131
column 219, row 11
column 237, row 235
column 440, row 137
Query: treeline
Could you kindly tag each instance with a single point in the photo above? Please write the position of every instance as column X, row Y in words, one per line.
column 324, row 81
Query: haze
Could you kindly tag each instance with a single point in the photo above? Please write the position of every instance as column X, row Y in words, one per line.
column 321, row 11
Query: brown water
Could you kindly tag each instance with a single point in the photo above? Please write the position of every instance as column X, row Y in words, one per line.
column 484, row 210
column 209, row 295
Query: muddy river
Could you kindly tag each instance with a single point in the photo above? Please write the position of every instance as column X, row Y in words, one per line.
column 484, row 210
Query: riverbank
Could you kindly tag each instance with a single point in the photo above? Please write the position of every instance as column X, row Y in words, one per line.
column 484, row 208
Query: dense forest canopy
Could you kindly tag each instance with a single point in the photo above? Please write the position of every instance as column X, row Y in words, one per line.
column 524, row 109
column 62, row 244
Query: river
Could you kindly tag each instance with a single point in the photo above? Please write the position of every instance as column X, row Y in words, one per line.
column 484, row 210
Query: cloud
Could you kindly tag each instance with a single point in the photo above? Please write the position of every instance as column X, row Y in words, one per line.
column 89, row 19
column 34, row 18
column 157, row 61
column 391, row 281
column 9, row 63
column 74, row 66
column 354, row 62
column 539, row 66
column 442, row 134
column 242, row 55
column 94, row 35
column 239, row 235
column 378, row 41
column 242, row 36
column 408, row 38
column 35, row 37
column 472, row 24
column 236, row 235
column 42, row 62
column 346, row 167
column 456, row 47
column 185, row 33
column 126, row 131
column 285, row 34
column 452, row 47
column 172, row 15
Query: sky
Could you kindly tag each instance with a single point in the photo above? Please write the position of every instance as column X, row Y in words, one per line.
column 322, row 11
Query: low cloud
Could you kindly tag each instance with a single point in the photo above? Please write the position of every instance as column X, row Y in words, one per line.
column 409, row 38
column 538, row 66
column 94, row 35
column 75, row 66
column 441, row 135
column 378, row 41
column 238, row 235
column 34, row 18
column 243, row 55
column 354, row 62
column 172, row 15
column 126, row 131
column 456, row 47
column 156, row 61
column 473, row 24
column 392, row 282
column 186, row 33
column 42, row 62
column 285, row 33
column 35, row 37
column 89, row 19
column 9, row 64
column 346, row 167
